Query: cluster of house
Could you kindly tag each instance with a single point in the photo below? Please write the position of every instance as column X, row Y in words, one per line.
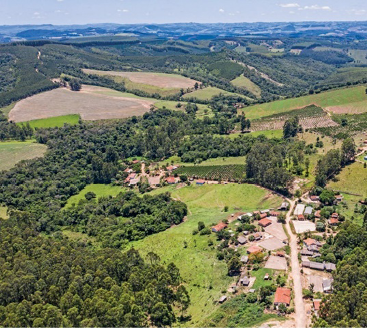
column 132, row 179
column 303, row 212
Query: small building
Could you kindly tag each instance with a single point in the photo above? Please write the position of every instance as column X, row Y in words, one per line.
column 154, row 181
column 313, row 248
column 266, row 277
column 333, row 222
column 244, row 259
column 265, row 212
column 365, row 158
column 220, row 226
column 282, row 296
column 130, row 177
column 308, row 211
column 283, row 206
column 306, row 252
column 135, row 161
column 242, row 240
column 330, row 267
column 318, row 214
column 245, row 281
column 222, row 299
column 252, row 291
column 256, row 212
column 128, row 170
column 316, row 305
column 134, row 182
column 335, row 216
column 327, row 285
column 300, row 208
column 339, row 198
column 265, row 222
column 171, row 180
column 257, row 236
column 314, row 198
column 263, row 215
column 172, row 168
column 280, row 253
column 254, row 249
column 200, row 182
column 310, row 241
column 274, row 213
column 300, row 217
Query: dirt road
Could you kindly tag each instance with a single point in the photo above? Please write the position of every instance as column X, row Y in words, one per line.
column 299, row 306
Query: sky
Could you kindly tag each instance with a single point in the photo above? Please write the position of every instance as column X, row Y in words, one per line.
column 60, row 12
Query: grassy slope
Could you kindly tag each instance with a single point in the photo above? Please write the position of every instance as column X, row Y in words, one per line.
column 100, row 190
column 208, row 93
column 12, row 152
column 244, row 82
column 204, row 275
column 324, row 99
column 53, row 122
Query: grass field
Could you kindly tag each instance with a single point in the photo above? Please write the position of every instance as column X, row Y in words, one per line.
column 12, row 152
column 270, row 134
column 359, row 56
column 347, row 100
column 245, row 83
column 208, row 93
column 204, row 275
column 352, row 179
column 259, row 274
column 101, row 190
column 3, row 213
column 6, row 110
column 54, row 122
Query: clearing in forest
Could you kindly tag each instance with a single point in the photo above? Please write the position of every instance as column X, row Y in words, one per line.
column 247, row 84
column 91, row 103
column 347, row 100
column 203, row 273
column 162, row 83
column 12, row 152
column 209, row 92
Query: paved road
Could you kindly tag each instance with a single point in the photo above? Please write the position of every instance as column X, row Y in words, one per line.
column 299, row 306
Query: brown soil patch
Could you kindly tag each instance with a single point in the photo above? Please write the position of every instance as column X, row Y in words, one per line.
column 157, row 79
column 88, row 103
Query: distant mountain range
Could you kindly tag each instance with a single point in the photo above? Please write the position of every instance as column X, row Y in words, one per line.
column 184, row 30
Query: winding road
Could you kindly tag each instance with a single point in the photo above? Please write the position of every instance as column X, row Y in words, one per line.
column 299, row 305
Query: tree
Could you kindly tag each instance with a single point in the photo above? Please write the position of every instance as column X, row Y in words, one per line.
column 183, row 299
column 327, row 197
column 162, row 315
column 90, row 195
column 234, row 266
column 201, row 225
column 291, row 128
column 348, row 151
column 75, row 85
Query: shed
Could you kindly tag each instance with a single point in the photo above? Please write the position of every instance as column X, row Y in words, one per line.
column 315, row 198
column 300, row 217
column 263, row 215
column 330, row 267
column 316, row 304
column 327, row 285
column 300, row 208
column 254, row 249
column 317, row 266
column 266, row 277
column 265, row 222
column 200, row 182
column 306, row 252
column 308, row 210
column 242, row 240
column 333, row 221
column 171, row 180
column 220, row 226
column 245, row 281
column 257, row 236
column 222, row 299
column 283, row 207
column 244, row 259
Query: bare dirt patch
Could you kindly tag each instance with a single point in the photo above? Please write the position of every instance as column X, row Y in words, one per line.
column 90, row 104
column 276, row 230
column 303, row 226
column 271, row 244
column 157, row 79
column 353, row 108
column 276, row 263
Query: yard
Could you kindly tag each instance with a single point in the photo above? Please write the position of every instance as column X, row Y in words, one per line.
column 203, row 273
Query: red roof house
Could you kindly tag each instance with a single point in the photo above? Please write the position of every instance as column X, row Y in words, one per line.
column 316, row 304
column 200, row 182
column 333, row 221
column 335, row 215
column 314, row 198
column 318, row 214
column 310, row 242
column 274, row 213
column 282, row 296
column 220, row 226
column 263, row 216
column 171, row 180
column 301, row 217
column 265, row 222
column 254, row 249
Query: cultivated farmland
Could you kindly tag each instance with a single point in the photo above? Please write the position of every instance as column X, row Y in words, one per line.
column 13, row 152
column 348, row 100
column 214, row 172
column 208, row 93
column 247, row 84
column 91, row 104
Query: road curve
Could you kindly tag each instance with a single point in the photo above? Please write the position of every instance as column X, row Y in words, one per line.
column 299, row 305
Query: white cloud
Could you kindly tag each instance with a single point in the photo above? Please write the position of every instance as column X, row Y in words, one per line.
column 289, row 5
column 59, row 0
column 122, row 10
column 358, row 12
column 221, row 10
column 315, row 7
column 36, row 13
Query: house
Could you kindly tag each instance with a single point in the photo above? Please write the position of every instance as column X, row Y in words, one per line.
column 244, row 259
column 327, row 285
column 254, row 249
column 282, row 296
column 134, row 182
column 265, row 212
column 252, row 290
column 313, row 248
column 263, row 215
column 280, row 253
column 316, row 305
column 222, row 299
column 171, row 180
column 242, row 240
column 300, row 217
column 154, row 181
column 335, row 216
column 257, row 236
column 244, row 281
column 220, row 226
column 308, row 211
column 309, row 241
column 339, row 198
column 135, row 161
column 317, row 266
column 266, row 277
column 300, row 208
column 265, row 222
column 333, row 221
column 129, row 170
column 283, row 207
column 314, row 198
column 130, row 177
column 200, row 182
column 330, row 267
column 274, row 213
column 171, row 168
column 256, row 212
column 306, row 252
column 318, row 214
